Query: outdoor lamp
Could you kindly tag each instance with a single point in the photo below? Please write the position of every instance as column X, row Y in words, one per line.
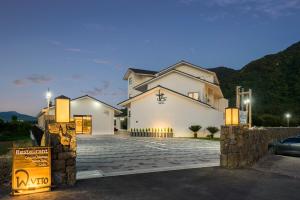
column 62, row 109
column 232, row 117
column 48, row 95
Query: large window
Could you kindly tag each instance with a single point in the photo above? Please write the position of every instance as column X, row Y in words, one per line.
column 83, row 124
column 194, row 95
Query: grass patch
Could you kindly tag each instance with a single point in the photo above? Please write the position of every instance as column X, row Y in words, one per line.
column 6, row 145
column 7, row 137
column 206, row 138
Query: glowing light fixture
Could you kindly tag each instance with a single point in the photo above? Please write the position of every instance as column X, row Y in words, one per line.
column 232, row 117
column 48, row 95
column 288, row 116
column 62, row 109
column 247, row 101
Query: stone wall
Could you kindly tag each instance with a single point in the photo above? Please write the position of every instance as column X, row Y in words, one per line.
column 63, row 156
column 63, row 163
column 242, row 147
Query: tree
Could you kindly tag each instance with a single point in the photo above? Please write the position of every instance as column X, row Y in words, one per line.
column 195, row 129
column 14, row 118
column 1, row 124
column 212, row 130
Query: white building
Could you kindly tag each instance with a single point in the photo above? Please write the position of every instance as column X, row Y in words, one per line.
column 176, row 97
column 91, row 116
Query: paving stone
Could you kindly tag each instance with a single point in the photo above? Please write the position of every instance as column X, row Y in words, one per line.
column 113, row 154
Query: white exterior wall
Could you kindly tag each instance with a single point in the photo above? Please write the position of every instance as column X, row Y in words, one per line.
column 102, row 115
column 178, row 113
column 180, row 83
column 196, row 72
column 136, row 80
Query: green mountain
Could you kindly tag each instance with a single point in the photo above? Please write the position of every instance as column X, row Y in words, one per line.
column 275, row 81
column 6, row 116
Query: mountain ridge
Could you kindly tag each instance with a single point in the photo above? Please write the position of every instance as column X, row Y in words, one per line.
column 274, row 79
column 7, row 115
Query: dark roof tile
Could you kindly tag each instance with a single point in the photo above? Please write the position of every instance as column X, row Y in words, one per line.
column 143, row 71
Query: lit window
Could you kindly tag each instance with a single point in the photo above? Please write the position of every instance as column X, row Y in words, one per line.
column 194, row 95
column 83, row 124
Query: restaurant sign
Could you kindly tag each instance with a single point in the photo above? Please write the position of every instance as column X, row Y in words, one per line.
column 31, row 170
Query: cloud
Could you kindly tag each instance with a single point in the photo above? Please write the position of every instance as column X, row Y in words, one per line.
column 34, row 78
column 119, row 92
column 99, row 27
column 270, row 8
column 55, row 43
column 187, row 2
column 100, row 90
column 117, row 66
column 73, row 49
column 19, row 82
column 106, row 90
column 76, row 76
column 101, row 61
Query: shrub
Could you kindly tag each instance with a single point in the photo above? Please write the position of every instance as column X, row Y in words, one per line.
column 212, row 130
column 195, row 129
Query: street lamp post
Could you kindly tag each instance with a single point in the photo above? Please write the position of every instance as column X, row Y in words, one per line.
column 288, row 116
column 240, row 102
column 247, row 103
column 48, row 97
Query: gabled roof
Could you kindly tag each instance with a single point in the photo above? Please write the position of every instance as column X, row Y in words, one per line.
column 179, row 72
column 143, row 71
column 165, row 70
column 140, row 72
column 172, row 91
column 87, row 96
column 185, row 63
column 62, row 97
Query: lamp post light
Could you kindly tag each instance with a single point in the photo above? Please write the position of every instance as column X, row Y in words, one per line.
column 48, row 97
column 288, row 116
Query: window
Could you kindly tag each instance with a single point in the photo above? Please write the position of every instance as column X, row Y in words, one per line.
column 130, row 81
column 83, row 124
column 194, row 95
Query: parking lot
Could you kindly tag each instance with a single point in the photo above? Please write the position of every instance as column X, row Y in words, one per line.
column 99, row 156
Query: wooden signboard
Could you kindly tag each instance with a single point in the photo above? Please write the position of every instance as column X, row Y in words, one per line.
column 31, row 170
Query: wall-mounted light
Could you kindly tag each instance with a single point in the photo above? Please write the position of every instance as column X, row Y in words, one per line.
column 232, row 117
column 62, row 109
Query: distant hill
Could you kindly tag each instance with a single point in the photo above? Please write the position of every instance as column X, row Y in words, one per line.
column 6, row 116
column 275, row 81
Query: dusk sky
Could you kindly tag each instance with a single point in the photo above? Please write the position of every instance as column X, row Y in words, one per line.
column 85, row 47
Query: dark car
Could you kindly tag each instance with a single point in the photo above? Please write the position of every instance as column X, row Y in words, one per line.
column 289, row 146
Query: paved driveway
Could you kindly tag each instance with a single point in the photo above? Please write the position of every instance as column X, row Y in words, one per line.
column 99, row 156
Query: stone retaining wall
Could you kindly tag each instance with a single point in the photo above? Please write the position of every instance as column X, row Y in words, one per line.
column 63, row 162
column 242, row 147
column 63, row 155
